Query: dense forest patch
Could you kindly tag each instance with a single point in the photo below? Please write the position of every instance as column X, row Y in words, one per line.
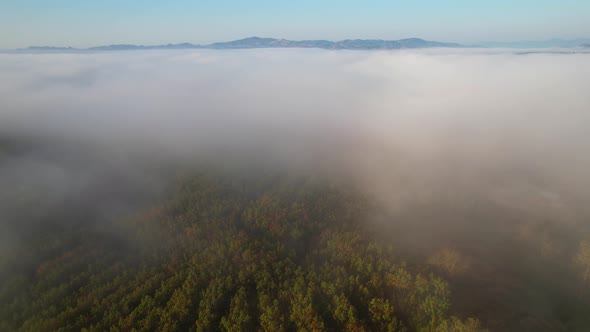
column 227, row 253
column 251, row 248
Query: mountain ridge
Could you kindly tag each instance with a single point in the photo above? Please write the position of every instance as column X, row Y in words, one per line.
column 345, row 44
column 258, row 42
column 547, row 43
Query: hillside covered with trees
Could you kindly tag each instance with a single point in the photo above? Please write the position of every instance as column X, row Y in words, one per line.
column 228, row 254
column 227, row 250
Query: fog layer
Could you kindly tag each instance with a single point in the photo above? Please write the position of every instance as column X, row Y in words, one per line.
column 404, row 125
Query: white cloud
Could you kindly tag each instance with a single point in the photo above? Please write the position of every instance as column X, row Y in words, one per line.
column 403, row 123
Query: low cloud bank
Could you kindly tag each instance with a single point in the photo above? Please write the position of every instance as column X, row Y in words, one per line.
column 405, row 126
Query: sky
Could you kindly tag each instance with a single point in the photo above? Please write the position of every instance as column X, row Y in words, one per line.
column 90, row 23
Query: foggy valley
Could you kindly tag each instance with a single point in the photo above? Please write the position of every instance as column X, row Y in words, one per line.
column 433, row 189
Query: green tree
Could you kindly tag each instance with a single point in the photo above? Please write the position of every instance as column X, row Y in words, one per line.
column 238, row 318
column 382, row 315
column 582, row 260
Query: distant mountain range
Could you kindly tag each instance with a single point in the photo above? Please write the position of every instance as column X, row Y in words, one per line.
column 347, row 44
column 563, row 43
column 257, row 42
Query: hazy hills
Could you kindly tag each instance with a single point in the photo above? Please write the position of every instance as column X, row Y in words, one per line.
column 257, row 42
column 561, row 43
column 354, row 44
column 346, row 44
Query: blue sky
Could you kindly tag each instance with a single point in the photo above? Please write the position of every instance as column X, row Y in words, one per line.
column 81, row 23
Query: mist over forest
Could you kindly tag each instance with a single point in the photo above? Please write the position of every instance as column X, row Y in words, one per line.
column 288, row 189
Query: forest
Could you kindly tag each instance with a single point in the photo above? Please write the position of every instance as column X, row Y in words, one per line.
column 234, row 250
column 229, row 254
